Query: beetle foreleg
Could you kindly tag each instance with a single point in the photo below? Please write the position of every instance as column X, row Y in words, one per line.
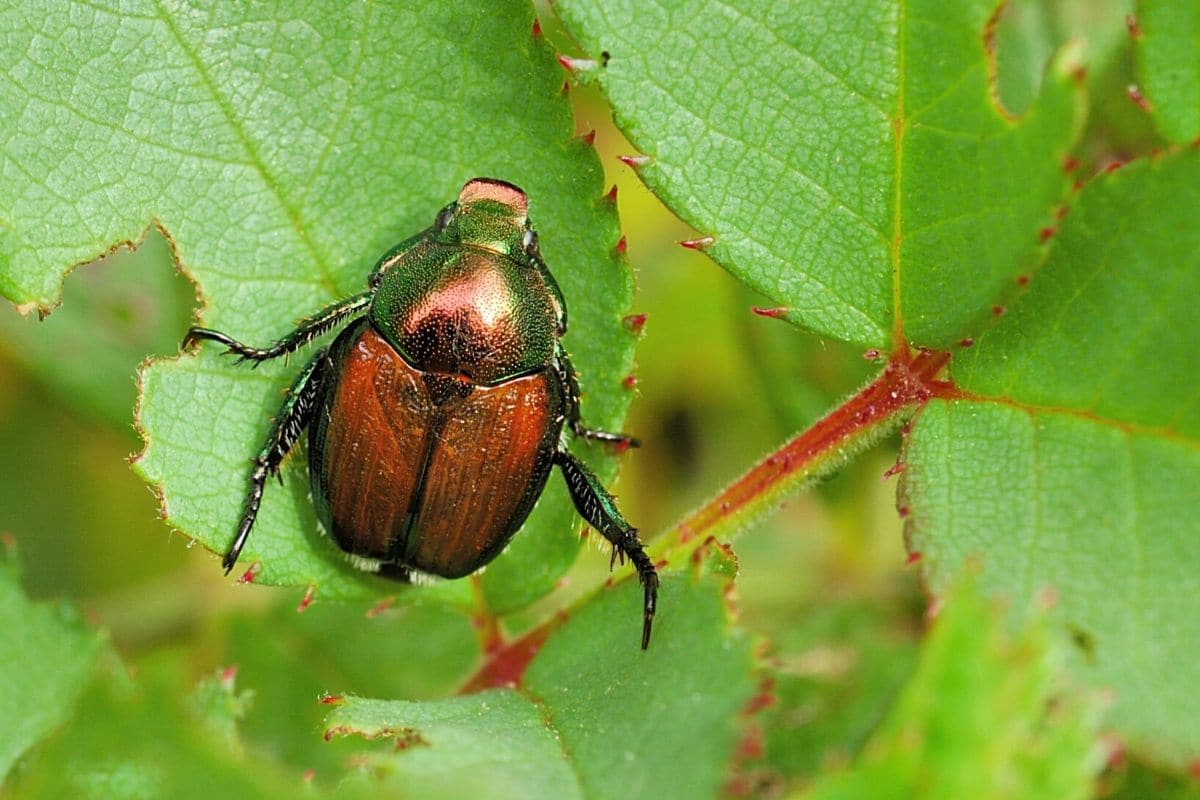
column 311, row 328
column 570, row 382
column 293, row 418
column 597, row 506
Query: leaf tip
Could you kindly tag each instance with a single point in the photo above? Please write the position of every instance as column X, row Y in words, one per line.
column 251, row 574
column 1131, row 25
column 579, row 67
column 309, row 594
column 1135, row 94
column 380, row 607
column 699, row 243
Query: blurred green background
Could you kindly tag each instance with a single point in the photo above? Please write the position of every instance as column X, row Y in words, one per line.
column 823, row 583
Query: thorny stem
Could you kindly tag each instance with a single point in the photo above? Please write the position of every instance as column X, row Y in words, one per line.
column 906, row 384
column 484, row 621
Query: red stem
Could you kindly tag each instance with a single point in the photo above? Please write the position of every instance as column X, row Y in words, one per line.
column 905, row 381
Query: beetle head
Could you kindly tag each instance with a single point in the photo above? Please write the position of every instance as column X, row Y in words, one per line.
column 490, row 214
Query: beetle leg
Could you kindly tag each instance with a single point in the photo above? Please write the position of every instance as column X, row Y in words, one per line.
column 308, row 329
column 566, row 374
column 597, row 506
column 293, row 418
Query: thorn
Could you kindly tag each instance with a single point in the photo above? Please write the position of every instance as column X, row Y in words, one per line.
column 1046, row 598
column 306, row 601
column 872, row 354
column 629, row 382
column 635, row 322
column 611, row 197
column 574, row 65
column 913, row 558
column 589, row 138
column 634, row 161
column 1077, row 186
column 380, row 607
column 1022, row 280
column 1113, row 166
column 1045, row 234
column 698, row 244
column 228, row 675
column 1070, row 164
column 934, row 608
column 249, row 575
column 999, row 311
column 331, row 699
column 894, row 470
column 309, row 775
column 537, row 27
column 1061, row 212
column 903, row 512
column 1131, row 24
column 1139, row 99
column 772, row 313
column 566, row 87
column 966, row 342
column 1079, row 74
column 621, row 245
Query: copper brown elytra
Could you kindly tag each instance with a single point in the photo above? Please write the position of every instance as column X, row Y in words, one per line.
column 436, row 414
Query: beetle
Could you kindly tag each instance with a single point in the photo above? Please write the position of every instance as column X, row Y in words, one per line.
column 437, row 412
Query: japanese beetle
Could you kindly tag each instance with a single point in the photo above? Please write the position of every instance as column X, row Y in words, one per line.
column 437, row 412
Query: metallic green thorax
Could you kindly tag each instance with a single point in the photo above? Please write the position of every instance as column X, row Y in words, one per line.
column 470, row 296
column 436, row 415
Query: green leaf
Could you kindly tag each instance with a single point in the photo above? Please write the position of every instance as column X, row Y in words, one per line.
column 1070, row 466
column 139, row 739
column 115, row 313
column 37, row 698
column 848, row 160
column 985, row 716
column 283, row 151
column 655, row 723
column 1168, row 61
column 492, row 744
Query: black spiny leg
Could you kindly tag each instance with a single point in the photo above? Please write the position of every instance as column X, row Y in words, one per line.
column 570, row 383
column 293, row 418
column 600, row 510
column 312, row 327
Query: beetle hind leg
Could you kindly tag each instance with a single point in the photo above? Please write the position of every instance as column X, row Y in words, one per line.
column 293, row 418
column 597, row 506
